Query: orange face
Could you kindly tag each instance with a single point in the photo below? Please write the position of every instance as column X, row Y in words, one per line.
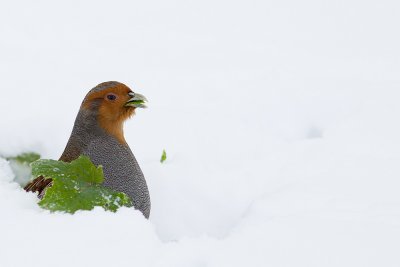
column 110, row 102
column 114, row 103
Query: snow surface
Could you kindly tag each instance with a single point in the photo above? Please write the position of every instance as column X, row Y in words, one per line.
column 280, row 120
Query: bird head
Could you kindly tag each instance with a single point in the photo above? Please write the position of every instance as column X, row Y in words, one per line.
column 112, row 103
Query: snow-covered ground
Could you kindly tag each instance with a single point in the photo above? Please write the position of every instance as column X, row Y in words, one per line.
column 280, row 120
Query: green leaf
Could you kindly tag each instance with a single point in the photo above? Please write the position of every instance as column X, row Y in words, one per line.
column 77, row 186
column 163, row 156
column 137, row 101
column 25, row 158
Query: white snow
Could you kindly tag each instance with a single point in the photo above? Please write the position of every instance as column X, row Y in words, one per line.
column 280, row 120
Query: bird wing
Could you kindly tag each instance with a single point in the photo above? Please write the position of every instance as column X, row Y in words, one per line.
column 38, row 185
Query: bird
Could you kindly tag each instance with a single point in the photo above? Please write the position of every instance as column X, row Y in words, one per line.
column 98, row 133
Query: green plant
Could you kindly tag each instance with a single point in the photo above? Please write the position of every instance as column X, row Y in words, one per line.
column 76, row 186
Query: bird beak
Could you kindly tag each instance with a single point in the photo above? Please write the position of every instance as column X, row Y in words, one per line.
column 137, row 100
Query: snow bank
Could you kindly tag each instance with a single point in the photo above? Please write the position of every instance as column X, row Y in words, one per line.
column 279, row 120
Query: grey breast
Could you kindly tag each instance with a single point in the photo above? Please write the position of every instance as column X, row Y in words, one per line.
column 121, row 170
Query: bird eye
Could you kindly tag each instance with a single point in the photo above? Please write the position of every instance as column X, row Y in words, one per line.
column 111, row 97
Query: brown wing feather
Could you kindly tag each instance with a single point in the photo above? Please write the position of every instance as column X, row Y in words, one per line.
column 38, row 185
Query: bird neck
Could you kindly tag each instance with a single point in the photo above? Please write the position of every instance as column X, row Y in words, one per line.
column 114, row 128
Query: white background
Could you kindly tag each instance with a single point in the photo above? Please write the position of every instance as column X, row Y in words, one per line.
column 280, row 120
